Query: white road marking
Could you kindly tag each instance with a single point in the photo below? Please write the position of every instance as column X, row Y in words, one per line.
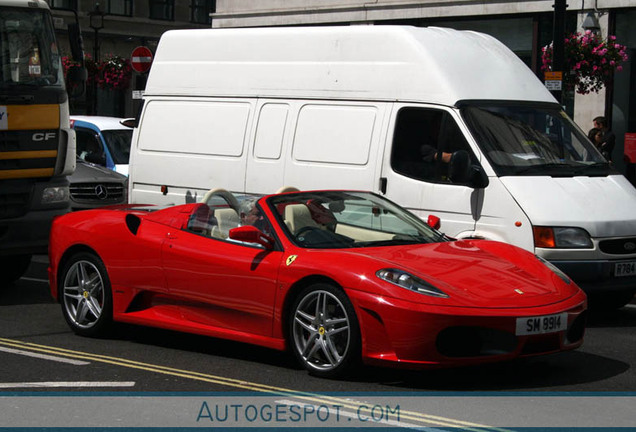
column 45, row 356
column 68, row 384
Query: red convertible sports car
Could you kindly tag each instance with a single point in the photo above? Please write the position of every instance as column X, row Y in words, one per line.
column 335, row 276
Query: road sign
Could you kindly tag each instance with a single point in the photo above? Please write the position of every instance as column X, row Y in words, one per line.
column 553, row 80
column 141, row 59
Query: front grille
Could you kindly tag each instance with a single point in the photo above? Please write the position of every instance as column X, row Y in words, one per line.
column 465, row 341
column 101, row 193
column 28, row 153
column 623, row 246
column 13, row 205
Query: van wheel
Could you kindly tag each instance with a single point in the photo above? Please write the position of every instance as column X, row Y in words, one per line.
column 12, row 268
column 324, row 332
column 86, row 296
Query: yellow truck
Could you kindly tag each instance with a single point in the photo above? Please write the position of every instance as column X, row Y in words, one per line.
column 37, row 145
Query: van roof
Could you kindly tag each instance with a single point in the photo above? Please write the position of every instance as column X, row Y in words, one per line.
column 436, row 65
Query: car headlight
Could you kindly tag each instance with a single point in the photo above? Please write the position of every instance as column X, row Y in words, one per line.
column 565, row 278
column 563, row 237
column 409, row 282
column 52, row 195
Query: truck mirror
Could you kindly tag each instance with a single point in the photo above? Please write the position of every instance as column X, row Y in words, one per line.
column 76, row 42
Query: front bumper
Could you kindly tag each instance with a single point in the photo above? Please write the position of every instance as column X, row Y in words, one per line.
column 596, row 276
column 400, row 333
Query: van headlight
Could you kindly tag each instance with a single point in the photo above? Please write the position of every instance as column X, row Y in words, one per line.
column 52, row 195
column 409, row 282
column 561, row 237
column 565, row 278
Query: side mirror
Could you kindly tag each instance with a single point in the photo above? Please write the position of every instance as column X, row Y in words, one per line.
column 462, row 171
column 434, row 222
column 459, row 167
column 251, row 234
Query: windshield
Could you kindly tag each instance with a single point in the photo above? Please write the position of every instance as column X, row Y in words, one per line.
column 118, row 142
column 337, row 219
column 28, row 53
column 521, row 139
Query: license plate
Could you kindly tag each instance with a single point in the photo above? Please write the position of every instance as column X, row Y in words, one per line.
column 542, row 324
column 625, row 269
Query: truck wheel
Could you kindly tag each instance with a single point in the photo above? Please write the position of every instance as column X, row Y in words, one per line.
column 86, row 296
column 323, row 331
column 13, row 267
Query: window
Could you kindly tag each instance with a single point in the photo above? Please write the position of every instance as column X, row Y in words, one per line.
column 200, row 11
column 119, row 7
column 423, row 143
column 63, row 4
column 89, row 147
column 162, row 9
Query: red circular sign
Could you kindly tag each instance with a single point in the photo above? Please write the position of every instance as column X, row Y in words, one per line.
column 141, row 59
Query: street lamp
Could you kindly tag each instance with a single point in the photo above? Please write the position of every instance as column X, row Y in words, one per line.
column 96, row 22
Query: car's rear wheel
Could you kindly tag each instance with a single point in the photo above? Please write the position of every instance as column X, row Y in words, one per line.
column 324, row 331
column 86, row 295
column 12, row 268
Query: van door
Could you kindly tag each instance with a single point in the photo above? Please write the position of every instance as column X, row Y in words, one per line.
column 415, row 167
column 265, row 159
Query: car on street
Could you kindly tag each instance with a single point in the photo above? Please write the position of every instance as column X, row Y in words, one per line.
column 103, row 141
column 93, row 186
column 337, row 277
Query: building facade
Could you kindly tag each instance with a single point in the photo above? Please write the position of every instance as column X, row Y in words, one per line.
column 115, row 28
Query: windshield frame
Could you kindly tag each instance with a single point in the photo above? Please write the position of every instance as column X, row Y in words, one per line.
column 335, row 202
column 514, row 146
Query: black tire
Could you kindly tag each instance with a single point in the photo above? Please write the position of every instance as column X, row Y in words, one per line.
column 324, row 333
column 85, row 295
column 12, row 268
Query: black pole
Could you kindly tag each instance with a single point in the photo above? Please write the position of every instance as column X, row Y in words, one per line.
column 558, row 43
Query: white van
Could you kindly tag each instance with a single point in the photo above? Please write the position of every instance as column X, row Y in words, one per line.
column 383, row 108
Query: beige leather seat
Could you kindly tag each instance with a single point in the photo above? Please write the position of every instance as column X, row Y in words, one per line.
column 226, row 218
column 297, row 216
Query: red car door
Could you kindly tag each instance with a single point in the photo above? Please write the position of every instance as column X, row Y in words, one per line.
column 221, row 283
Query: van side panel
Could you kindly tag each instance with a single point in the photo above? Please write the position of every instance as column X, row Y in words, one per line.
column 266, row 161
column 190, row 145
column 335, row 145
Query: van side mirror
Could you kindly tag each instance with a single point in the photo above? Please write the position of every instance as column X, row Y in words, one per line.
column 459, row 167
column 462, row 171
column 252, row 234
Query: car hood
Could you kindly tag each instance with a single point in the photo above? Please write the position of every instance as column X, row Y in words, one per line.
column 475, row 273
column 603, row 206
column 90, row 173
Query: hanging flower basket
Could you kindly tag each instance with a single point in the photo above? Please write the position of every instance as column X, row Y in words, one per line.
column 590, row 61
column 114, row 73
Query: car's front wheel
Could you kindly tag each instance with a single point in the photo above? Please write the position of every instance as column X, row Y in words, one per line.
column 85, row 294
column 324, row 331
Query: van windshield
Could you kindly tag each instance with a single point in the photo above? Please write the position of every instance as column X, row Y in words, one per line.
column 524, row 139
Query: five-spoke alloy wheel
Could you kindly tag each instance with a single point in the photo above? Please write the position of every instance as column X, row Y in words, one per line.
column 324, row 331
column 86, row 295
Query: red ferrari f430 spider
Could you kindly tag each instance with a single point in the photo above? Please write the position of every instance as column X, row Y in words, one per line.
column 337, row 277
